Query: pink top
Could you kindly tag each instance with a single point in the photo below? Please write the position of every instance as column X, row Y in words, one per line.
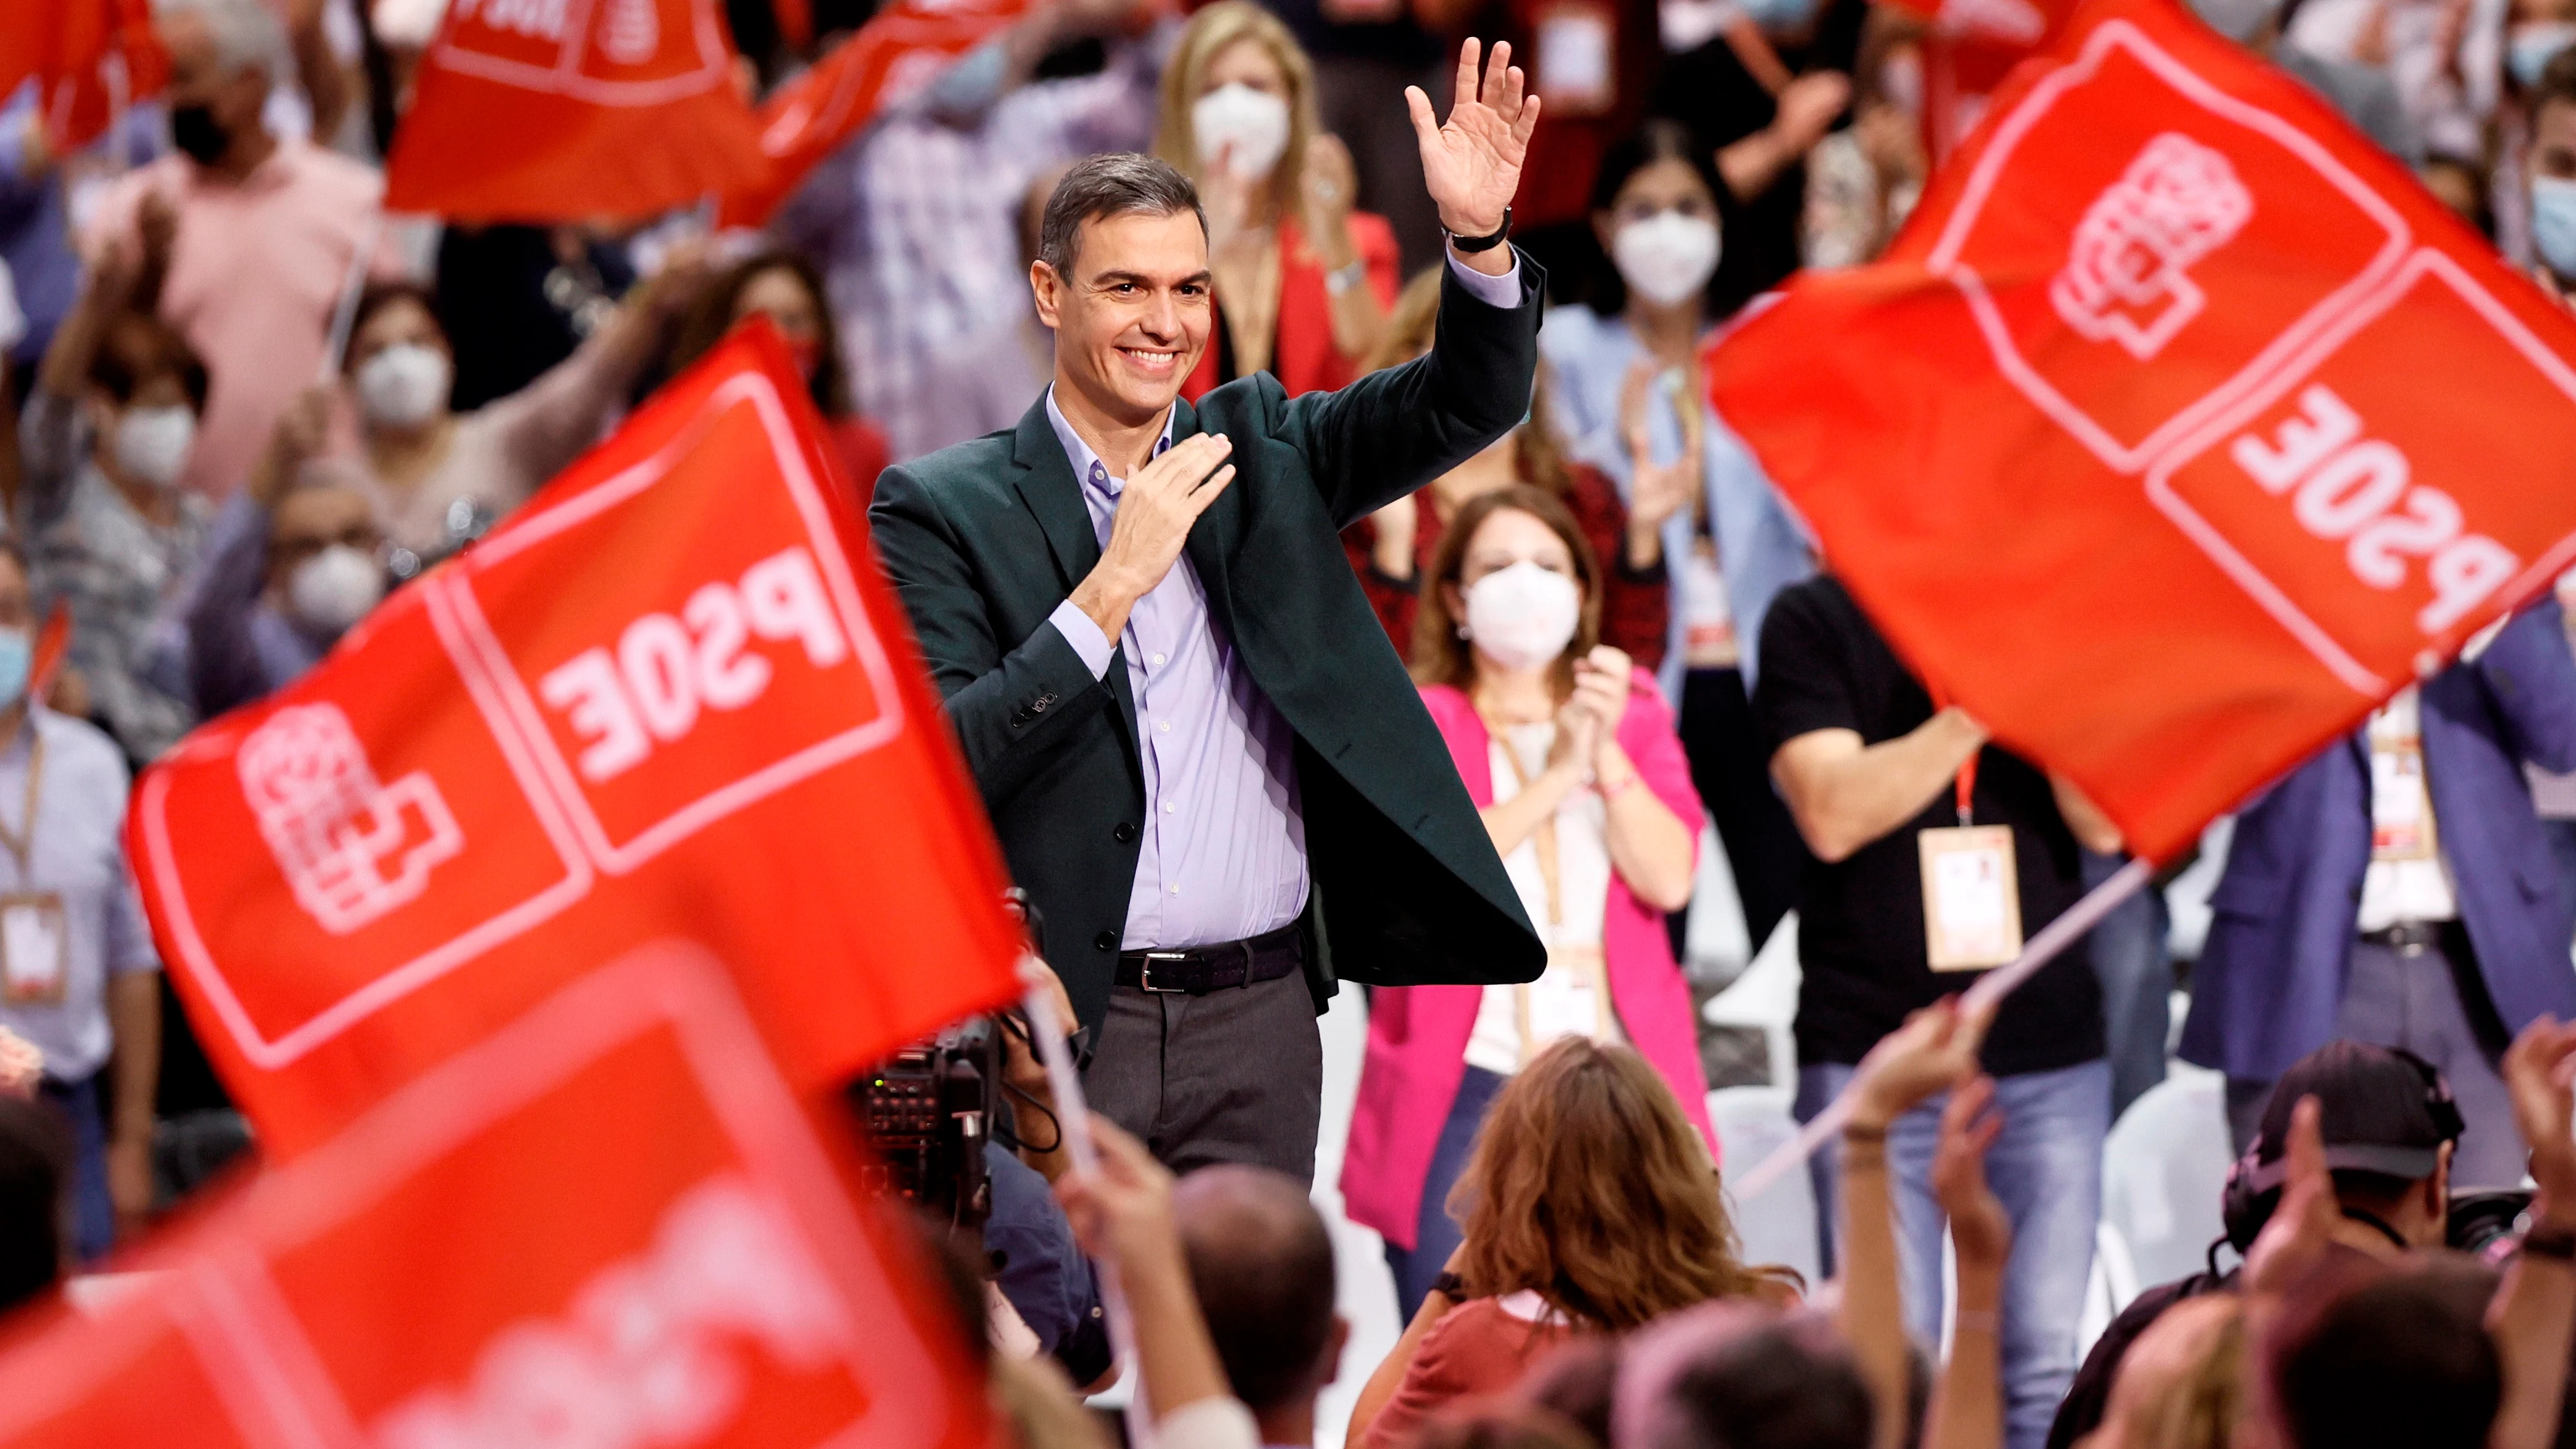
column 1418, row 1034
column 255, row 271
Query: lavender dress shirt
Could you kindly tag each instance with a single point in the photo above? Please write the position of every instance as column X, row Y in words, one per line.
column 1223, row 855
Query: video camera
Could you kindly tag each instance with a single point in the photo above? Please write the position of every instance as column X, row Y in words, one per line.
column 928, row 1110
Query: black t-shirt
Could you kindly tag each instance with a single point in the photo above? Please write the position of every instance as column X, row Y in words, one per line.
column 1860, row 920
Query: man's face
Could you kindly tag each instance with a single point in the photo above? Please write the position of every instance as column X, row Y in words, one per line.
column 2553, row 141
column 1133, row 318
column 198, row 75
column 310, row 520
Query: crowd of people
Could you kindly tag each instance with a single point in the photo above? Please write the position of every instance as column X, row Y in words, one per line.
column 1523, row 625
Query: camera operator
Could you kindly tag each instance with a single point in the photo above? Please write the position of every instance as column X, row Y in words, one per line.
column 2390, row 1129
column 1042, row 1274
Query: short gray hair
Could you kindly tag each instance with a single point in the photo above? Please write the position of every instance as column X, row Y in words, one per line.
column 1114, row 183
column 247, row 34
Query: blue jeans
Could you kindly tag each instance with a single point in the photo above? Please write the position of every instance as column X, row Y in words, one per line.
column 1436, row 1235
column 2047, row 1168
column 93, row 1211
column 2137, row 976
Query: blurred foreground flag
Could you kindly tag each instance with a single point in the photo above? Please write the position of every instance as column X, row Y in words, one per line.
column 557, row 112
column 670, row 696
column 610, row 1224
column 2178, row 429
column 890, row 59
column 89, row 58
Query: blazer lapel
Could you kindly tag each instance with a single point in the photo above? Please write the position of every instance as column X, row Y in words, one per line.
column 1206, row 546
column 1054, row 497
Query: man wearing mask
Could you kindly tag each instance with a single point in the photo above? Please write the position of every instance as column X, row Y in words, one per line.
column 2549, row 168
column 1202, row 758
column 77, row 972
column 107, row 430
column 264, row 231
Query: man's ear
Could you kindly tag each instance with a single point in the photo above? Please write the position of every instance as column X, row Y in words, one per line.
column 1047, row 289
column 1329, row 1367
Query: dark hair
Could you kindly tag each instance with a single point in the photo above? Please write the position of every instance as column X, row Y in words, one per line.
column 136, row 347
column 1739, row 1374
column 1575, row 1381
column 2403, row 1359
column 710, row 317
column 1439, row 655
column 1500, row 1426
column 35, row 1163
column 2557, row 83
column 1114, row 183
column 1653, row 141
column 1261, row 1263
column 377, row 296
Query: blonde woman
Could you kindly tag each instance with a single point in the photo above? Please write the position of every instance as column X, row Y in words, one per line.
column 1303, row 282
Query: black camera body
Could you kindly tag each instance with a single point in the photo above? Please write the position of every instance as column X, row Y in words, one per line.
column 928, row 1111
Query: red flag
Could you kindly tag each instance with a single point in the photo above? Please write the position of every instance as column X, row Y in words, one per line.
column 557, row 113
column 2178, row 429
column 671, row 695
column 1967, row 49
column 88, row 57
column 610, row 1224
column 891, row 57
column 46, row 659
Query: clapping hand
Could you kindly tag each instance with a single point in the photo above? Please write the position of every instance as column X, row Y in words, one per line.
column 1471, row 164
column 2537, row 1070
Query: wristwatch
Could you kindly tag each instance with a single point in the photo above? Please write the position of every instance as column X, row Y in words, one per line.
column 1470, row 245
column 1450, row 1286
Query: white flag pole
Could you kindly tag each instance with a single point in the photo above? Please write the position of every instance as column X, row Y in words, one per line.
column 1073, row 1120
column 1994, row 986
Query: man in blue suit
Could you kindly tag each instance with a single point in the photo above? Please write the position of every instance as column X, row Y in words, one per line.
column 2398, row 889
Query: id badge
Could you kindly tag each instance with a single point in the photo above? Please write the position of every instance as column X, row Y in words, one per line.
column 31, row 948
column 1971, row 897
column 2401, row 808
column 1577, row 73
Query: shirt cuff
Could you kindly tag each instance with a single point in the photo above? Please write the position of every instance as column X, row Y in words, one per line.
column 1084, row 635
column 1502, row 291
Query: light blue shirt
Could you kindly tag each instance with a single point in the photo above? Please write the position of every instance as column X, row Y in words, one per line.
column 1762, row 547
column 1222, row 853
column 78, row 852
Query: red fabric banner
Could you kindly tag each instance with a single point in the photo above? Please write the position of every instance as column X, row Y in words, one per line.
column 2127, row 442
column 87, row 57
column 670, row 696
column 1967, row 49
column 609, row 1224
column 527, row 112
column 893, row 56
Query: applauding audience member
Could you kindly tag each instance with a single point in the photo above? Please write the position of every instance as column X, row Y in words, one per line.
column 787, row 289
column 1570, row 755
column 1591, row 1205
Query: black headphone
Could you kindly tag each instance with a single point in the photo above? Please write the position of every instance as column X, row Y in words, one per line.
column 2252, row 1191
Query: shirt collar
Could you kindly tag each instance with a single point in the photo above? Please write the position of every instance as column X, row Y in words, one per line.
column 1087, row 466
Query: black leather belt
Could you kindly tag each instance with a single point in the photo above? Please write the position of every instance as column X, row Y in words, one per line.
column 2411, row 938
column 1202, row 969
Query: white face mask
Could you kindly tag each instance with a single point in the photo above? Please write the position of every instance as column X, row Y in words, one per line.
column 1247, row 127
column 1523, row 616
column 334, row 589
column 1667, row 257
column 404, row 386
column 151, row 444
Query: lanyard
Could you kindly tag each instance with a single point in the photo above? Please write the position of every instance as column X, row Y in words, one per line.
column 1965, row 788
column 1543, row 835
column 22, row 841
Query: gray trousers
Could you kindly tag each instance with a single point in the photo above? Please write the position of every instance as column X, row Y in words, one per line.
column 2435, row 1006
column 1233, row 1076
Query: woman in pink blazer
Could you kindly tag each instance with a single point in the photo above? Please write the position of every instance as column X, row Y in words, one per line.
column 1569, row 752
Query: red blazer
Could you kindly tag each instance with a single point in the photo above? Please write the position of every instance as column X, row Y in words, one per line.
column 1302, row 355
column 1635, row 612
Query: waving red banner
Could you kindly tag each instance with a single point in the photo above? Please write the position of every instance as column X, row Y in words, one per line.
column 526, row 112
column 669, row 696
column 88, row 58
column 2128, row 442
column 609, row 1224
column 891, row 57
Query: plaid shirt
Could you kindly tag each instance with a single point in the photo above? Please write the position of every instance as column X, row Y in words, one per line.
column 918, row 225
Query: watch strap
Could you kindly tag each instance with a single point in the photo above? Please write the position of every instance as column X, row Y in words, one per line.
column 1470, row 245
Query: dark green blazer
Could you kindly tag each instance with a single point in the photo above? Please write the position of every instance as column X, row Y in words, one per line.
column 985, row 539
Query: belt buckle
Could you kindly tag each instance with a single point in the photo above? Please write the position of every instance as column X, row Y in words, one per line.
column 1145, row 973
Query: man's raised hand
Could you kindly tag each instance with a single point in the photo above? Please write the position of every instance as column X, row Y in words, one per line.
column 1472, row 164
column 1155, row 511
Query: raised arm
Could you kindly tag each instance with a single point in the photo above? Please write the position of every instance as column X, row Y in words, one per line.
column 2533, row 1317
column 1844, row 794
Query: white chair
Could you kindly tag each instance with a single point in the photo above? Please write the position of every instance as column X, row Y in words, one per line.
column 2163, row 1168
column 1780, row 1225
column 1765, row 997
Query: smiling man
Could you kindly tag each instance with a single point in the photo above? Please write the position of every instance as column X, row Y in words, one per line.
column 1203, row 761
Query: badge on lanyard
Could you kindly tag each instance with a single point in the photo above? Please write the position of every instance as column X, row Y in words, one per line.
column 31, row 948
column 1577, row 74
column 2401, row 805
column 1971, row 890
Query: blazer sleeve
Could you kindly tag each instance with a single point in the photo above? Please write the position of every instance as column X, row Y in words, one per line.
column 1400, row 427
column 2531, row 675
column 1010, row 701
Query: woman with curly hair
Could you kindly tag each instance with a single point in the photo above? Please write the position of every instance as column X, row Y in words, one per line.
column 1591, row 1206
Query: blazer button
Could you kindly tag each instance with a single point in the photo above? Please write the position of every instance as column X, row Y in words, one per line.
column 1105, row 941
column 1125, row 833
